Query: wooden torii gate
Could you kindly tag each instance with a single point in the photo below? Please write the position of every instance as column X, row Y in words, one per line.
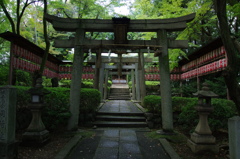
column 120, row 27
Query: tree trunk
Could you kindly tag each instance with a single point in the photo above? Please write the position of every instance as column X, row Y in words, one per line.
column 45, row 56
column 231, row 72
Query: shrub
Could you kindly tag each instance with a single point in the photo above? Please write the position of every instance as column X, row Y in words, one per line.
column 109, row 83
column 130, row 84
column 23, row 78
column 90, row 100
column 187, row 115
column 223, row 109
column 4, row 74
column 179, row 102
column 87, row 84
column 65, row 83
column 152, row 103
column 152, row 87
column 56, row 112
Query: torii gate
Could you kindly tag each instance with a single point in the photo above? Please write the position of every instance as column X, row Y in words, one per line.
column 120, row 27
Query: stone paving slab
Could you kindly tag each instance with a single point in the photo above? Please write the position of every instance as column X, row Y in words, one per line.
column 119, row 106
column 119, row 144
column 124, row 141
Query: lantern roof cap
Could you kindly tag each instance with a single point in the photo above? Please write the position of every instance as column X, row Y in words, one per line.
column 38, row 89
column 205, row 92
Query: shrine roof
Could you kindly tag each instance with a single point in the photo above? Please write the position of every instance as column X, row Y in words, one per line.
column 26, row 44
column 212, row 45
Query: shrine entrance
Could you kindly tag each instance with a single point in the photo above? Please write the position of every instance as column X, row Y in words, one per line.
column 120, row 45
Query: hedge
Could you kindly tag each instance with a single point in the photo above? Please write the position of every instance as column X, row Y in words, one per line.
column 56, row 112
column 187, row 115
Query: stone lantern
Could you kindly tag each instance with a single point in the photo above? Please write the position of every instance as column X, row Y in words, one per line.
column 36, row 134
column 202, row 138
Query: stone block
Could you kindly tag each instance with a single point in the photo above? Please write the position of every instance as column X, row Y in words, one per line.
column 234, row 137
column 205, row 139
column 8, row 100
column 198, row 148
column 36, row 139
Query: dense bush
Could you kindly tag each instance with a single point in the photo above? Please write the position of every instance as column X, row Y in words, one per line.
column 187, row 115
column 65, row 83
column 90, row 100
column 223, row 110
column 23, row 78
column 87, row 84
column 152, row 103
column 3, row 74
column 56, row 112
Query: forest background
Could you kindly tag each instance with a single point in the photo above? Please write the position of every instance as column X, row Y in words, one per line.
column 213, row 19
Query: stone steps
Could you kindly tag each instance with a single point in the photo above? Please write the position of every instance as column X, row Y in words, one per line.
column 124, row 120
column 120, row 124
column 119, row 94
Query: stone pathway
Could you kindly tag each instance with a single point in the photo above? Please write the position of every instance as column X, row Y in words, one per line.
column 118, row 144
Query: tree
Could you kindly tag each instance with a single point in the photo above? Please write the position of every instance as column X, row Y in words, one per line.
column 15, row 25
column 231, row 46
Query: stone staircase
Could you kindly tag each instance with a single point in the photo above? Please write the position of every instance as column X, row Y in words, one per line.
column 119, row 94
column 122, row 120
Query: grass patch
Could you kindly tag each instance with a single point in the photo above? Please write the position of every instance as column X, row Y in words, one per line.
column 177, row 138
column 83, row 133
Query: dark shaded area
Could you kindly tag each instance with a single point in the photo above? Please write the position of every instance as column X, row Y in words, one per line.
column 150, row 148
column 86, row 148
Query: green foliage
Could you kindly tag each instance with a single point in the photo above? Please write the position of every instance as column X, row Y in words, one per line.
column 23, row 78
column 152, row 83
column 87, row 84
column 23, row 98
column 152, row 87
column 188, row 88
column 109, row 83
column 65, row 83
column 130, row 84
column 90, row 100
column 46, row 82
column 177, row 138
column 3, row 74
column 56, row 111
column 223, row 110
column 217, row 85
column 152, row 103
column 188, row 117
column 179, row 102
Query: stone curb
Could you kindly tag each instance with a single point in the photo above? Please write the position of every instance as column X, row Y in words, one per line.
column 63, row 153
column 168, row 148
column 100, row 106
column 140, row 107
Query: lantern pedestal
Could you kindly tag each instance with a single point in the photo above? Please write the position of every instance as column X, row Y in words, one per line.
column 197, row 148
column 36, row 134
column 202, row 138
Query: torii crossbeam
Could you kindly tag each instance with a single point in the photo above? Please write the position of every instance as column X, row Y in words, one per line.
column 121, row 27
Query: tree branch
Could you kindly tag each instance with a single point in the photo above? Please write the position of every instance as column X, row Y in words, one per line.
column 8, row 16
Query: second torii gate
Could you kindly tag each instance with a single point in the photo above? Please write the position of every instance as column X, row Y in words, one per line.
column 120, row 27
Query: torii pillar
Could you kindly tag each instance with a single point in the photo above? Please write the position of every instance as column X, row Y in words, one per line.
column 165, row 87
column 76, row 81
